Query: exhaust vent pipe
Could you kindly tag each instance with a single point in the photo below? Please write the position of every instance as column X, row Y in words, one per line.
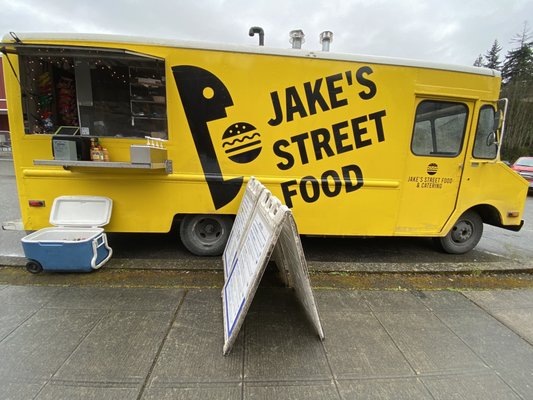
column 326, row 38
column 260, row 31
column 297, row 38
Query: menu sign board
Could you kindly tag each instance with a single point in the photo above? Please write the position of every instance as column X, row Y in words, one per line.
column 262, row 225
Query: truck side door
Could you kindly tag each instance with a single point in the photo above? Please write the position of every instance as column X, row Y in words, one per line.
column 434, row 166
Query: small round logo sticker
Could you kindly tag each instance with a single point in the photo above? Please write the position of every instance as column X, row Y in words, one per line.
column 432, row 169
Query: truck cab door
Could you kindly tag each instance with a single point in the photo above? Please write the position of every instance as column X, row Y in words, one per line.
column 434, row 166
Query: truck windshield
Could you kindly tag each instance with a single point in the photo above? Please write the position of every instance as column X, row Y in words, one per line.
column 525, row 162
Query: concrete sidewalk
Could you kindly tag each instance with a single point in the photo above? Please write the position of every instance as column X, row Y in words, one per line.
column 146, row 343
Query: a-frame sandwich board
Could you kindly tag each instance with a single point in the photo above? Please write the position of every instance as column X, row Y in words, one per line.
column 262, row 226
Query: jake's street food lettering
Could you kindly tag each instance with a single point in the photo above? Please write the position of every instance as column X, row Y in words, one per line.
column 324, row 142
column 341, row 138
column 429, row 182
column 330, row 184
column 313, row 97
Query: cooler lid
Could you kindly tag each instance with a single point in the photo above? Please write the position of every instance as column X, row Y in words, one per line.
column 81, row 211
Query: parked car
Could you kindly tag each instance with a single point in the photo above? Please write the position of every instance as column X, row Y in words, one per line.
column 524, row 166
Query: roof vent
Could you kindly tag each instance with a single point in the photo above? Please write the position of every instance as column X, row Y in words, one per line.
column 326, row 38
column 260, row 31
column 297, row 38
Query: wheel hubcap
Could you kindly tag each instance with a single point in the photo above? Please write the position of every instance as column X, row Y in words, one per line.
column 462, row 231
column 208, row 231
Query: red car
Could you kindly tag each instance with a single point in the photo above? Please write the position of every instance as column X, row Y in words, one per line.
column 524, row 166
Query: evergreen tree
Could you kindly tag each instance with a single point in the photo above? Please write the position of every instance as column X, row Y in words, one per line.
column 492, row 57
column 479, row 61
column 519, row 62
column 517, row 74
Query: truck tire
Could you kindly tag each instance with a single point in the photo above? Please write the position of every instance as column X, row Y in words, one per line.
column 205, row 235
column 464, row 235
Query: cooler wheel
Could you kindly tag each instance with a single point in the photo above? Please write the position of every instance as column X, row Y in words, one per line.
column 34, row 267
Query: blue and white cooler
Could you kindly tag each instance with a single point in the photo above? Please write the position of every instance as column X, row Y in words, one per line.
column 77, row 243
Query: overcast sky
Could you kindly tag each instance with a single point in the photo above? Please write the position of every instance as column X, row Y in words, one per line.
column 450, row 31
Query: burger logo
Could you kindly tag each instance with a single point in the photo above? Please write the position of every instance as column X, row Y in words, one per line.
column 432, row 169
column 242, row 142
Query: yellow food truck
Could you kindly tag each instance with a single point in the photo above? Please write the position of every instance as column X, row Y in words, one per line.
column 354, row 145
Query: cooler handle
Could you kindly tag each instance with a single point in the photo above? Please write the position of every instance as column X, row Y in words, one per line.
column 96, row 245
column 102, row 238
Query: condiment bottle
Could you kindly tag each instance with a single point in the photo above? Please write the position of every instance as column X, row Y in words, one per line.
column 94, row 150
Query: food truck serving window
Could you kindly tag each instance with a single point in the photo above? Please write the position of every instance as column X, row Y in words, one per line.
column 101, row 92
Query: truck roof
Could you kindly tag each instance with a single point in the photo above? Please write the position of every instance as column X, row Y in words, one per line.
column 140, row 40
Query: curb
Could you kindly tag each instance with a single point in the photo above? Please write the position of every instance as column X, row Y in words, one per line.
column 214, row 279
column 215, row 264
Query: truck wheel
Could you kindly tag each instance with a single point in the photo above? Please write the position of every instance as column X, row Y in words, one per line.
column 205, row 235
column 34, row 267
column 464, row 235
